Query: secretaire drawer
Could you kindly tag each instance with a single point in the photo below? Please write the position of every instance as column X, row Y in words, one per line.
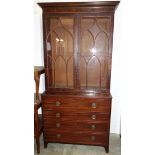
column 78, row 104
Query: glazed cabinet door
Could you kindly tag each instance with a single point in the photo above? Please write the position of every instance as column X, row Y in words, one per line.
column 78, row 51
column 60, row 51
column 95, row 51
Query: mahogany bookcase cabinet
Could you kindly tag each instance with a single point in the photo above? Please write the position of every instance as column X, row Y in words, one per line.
column 76, row 104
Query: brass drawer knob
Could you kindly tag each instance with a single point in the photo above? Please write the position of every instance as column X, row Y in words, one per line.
column 93, row 127
column 58, row 125
column 93, row 105
column 93, row 138
column 57, row 103
column 93, row 117
column 58, row 135
column 58, row 115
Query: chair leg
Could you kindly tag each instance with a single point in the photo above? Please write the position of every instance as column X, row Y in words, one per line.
column 38, row 144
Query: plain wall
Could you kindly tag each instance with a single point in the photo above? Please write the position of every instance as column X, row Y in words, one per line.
column 116, row 57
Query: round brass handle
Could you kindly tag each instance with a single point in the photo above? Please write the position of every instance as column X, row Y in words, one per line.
column 58, row 135
column 93, row 127
column 57, row 103
column 93, row 105
column 93, row 138
column 58, row 115
column 93, row 117
column 58, row 125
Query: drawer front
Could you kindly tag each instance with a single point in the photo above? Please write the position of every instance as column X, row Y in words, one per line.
column 78, row 138
column 76, row 117
column 59, row 126
column 78, row 104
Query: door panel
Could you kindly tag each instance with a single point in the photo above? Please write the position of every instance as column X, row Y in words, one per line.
column 94, row 50
column 60, row 50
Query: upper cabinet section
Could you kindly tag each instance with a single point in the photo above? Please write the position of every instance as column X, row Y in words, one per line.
column 77, row 41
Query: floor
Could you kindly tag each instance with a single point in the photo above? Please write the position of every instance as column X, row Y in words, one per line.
column 67, row 149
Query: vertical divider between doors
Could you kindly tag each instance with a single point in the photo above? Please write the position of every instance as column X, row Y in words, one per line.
column 77, row 52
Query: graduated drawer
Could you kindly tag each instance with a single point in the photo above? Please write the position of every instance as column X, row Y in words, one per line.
column 78, row 104
column 75, row 127
column 78, row 138
column 49, row 116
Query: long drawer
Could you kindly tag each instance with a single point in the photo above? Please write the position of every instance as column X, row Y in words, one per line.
column 75, row 127
column 76, row 117
column 77, row 105
column 78, row 138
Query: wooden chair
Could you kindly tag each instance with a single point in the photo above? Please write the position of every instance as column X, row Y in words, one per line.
column 37, row 125
column 38, row 70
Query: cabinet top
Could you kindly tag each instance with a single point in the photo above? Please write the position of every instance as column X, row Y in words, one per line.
column 79, row 4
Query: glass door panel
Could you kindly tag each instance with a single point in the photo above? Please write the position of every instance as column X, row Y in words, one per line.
column 60, row 40
column 94, row 48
